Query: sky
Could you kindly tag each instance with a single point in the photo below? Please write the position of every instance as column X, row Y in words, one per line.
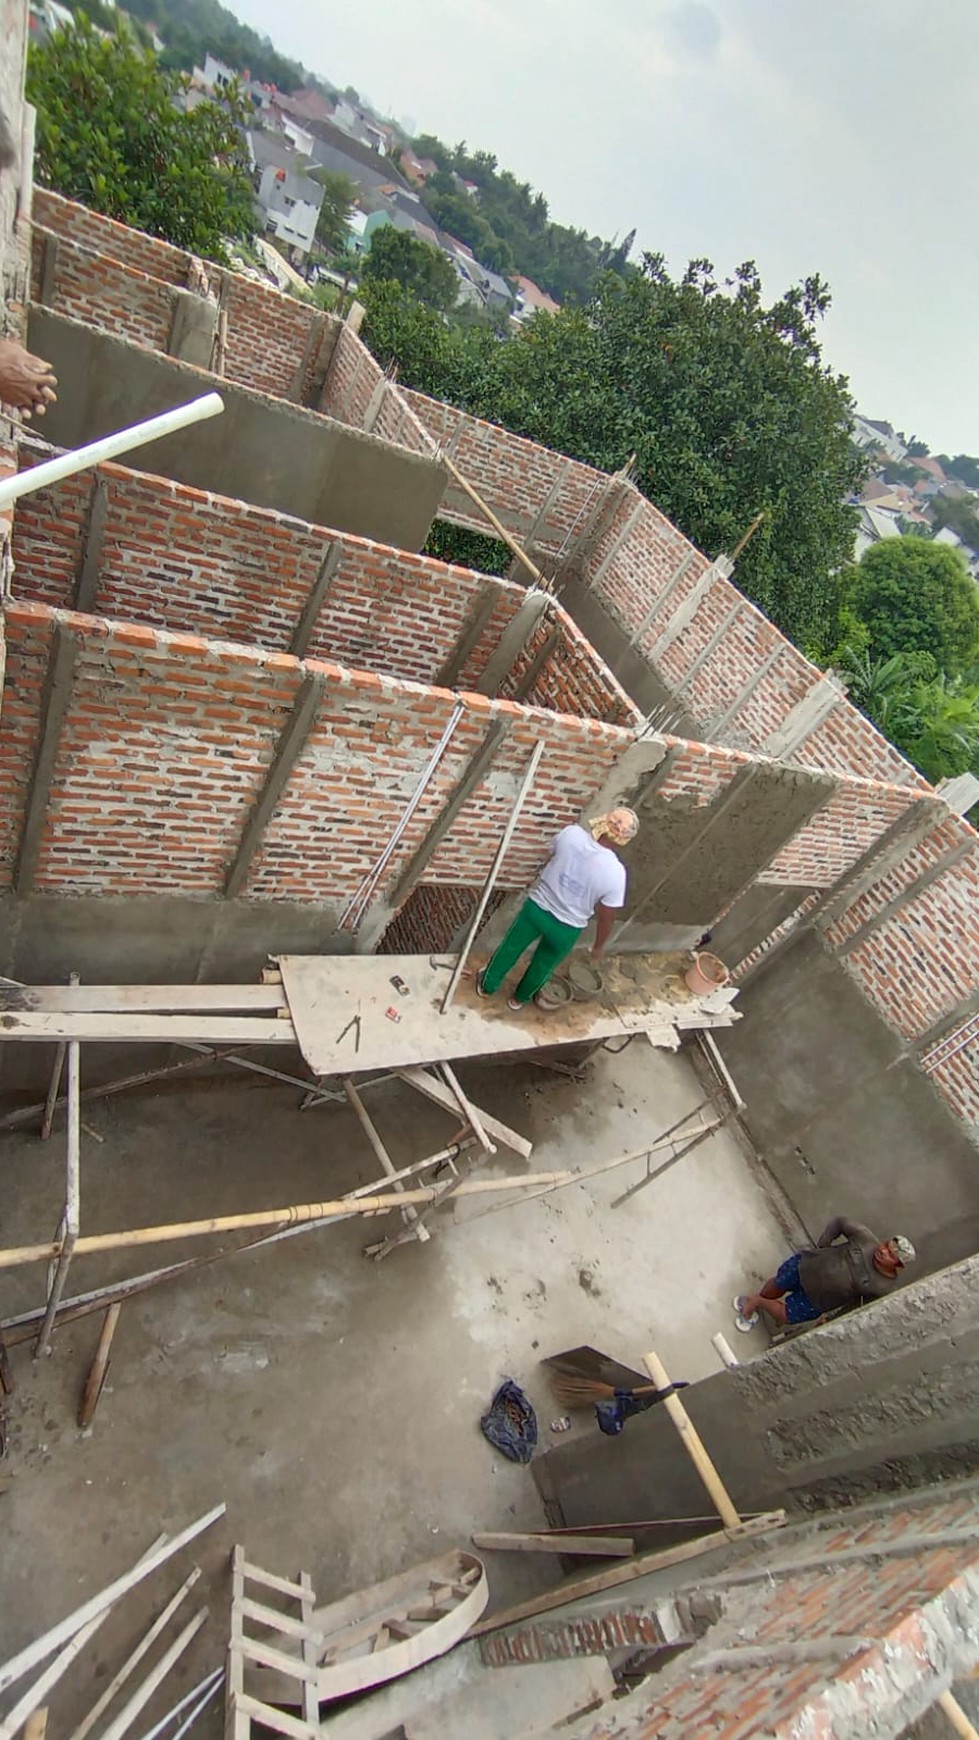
column 830, row 136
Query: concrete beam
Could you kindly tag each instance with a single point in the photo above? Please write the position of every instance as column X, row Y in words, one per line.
column 57, row 697
column 512, row 641
column 536, row 665
column 682, row 618
column 540, row 518
column 287, row 751
column 802, row 719
column 617, row 543
column 945, row 1026
column 947, row 861
column 478, row 619
column 48, row 288
column 374, row 404
column 314, row 338
column 192, row 328
column 443, row 824
column 309, row 615
column 888, row 849
column 88, row 570
column 720, row 722
column 703, row 657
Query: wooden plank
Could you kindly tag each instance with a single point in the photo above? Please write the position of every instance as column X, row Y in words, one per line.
column 164, row 1029
column 433, row 1089
column 269, row 1616
column 602, row 1546
column 140, row 999
column 282, row 1584
column 35, row 1652
column 575, row 1589
column 266, row 1655
column 270, row 1718
column 133, row 1660
column 311, row 1702
column 122, row 1723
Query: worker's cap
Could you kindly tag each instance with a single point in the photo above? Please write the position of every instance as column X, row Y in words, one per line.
column 620, row 825
column 905, row 1249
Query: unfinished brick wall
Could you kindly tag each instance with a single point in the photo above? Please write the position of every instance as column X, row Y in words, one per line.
column 187, row 561
column 123, row 282
column 857, row 814
column 167, row 739
column 104, row 293
column 432, row 917
column 539, row 495
column 843, row 1648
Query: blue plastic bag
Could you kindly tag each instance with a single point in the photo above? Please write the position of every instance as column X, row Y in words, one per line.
column 510, row 1425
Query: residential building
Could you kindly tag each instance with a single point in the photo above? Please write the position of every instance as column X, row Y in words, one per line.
column 288, row 199
column 531, row 299
column 874, row 524
column 417, row 169
column 877, row 437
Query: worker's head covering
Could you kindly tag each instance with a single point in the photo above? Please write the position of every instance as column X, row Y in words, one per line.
column 620, row 825
column 904, row 1248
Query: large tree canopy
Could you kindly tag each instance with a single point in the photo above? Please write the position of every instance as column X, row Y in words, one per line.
column 109, row 134
column 914, row 595
column 401, row 258
column 724, row 401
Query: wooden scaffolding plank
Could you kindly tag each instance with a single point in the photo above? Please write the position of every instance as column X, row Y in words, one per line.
column 433, row 1089
column 164, row 1029
column 141, row 999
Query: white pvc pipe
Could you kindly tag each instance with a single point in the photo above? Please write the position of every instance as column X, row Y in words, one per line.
column 110, row 446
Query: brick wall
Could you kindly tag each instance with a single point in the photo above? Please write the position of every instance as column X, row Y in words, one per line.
column 104, row 293
column 842, row 1649
column 432, row 917
column 518, row 478
column 167, row 739
column 838, row 834
column 122, row 281
column 351, row 381
column 187, row 561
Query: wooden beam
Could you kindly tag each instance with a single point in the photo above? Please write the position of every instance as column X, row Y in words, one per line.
column 958, row 1720
column 309, row 615
column 287, row 751
column 164, row 1029
column 433, row 1089
column 41, row 1647
column 57, row 697
column 576, row 1589
column 88, row 570
column 601, row 1546
column 141, row 999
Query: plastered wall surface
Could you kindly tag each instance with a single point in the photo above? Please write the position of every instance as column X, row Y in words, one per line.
column 264, row 450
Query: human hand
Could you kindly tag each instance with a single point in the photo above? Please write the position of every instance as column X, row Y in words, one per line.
column 596, row 951
column 26, row 383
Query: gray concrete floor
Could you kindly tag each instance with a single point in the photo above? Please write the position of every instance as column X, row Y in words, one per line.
column 334, row 1403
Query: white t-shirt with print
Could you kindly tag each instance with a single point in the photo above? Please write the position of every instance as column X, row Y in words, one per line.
column 579, row 874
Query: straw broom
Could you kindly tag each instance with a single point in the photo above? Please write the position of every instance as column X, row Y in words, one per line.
column 571, row 1391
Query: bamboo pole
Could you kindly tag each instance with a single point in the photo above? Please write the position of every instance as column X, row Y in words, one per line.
column 951, row 1708
column 691, row 1441
column 122, row 1723
column 340, row 1208
column 100, row 1366
column 70, row 1220
column 498, row 526
column 35, row 1652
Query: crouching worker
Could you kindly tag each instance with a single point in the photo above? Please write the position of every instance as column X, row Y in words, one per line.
column 810, row 1283
column 583, row 876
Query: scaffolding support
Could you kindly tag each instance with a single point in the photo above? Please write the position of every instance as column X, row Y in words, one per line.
column 68, row 1234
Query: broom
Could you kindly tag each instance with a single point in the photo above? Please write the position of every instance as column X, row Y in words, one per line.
column 571, row 1391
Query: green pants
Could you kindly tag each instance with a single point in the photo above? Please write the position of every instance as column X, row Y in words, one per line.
column 554, row 942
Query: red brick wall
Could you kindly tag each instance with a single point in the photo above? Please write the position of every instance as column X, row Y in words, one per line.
column 106, row 294
column 351, row 380
column 573, row 679
column 515, row 476
column 167, row 739
column 121, row 281
column 132, row 247
column 915, row 1614
column 838, row 834
column 187, row 561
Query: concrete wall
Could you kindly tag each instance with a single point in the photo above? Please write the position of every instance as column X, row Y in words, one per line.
column 264, row 450
column 880, row 1399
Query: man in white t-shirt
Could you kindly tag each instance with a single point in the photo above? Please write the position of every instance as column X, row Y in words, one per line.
column 583, row 876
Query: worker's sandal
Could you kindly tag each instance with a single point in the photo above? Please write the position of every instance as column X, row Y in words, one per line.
column 741, row 1321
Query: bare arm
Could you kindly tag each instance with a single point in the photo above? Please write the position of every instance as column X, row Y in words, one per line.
column 604, row 920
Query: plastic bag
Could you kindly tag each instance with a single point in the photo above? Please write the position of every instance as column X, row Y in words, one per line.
column 510, row 1425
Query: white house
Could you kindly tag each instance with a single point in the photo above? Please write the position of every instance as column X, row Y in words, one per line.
column 877, row 437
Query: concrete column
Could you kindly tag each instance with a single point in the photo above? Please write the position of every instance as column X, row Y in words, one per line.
column 193, row 328
column 682, row 618
column 512, row 642
column 816, row 705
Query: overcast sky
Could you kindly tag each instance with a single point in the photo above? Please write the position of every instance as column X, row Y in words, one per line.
column 838, row 136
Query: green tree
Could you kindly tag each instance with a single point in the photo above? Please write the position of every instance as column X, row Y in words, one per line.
column 405, row 259
column 398, row 328
column 192, row 27
column 964, row 467
column 110, row 135
column 959, row 512
column 339, row 193
column 930, row 717
column 917, row 596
